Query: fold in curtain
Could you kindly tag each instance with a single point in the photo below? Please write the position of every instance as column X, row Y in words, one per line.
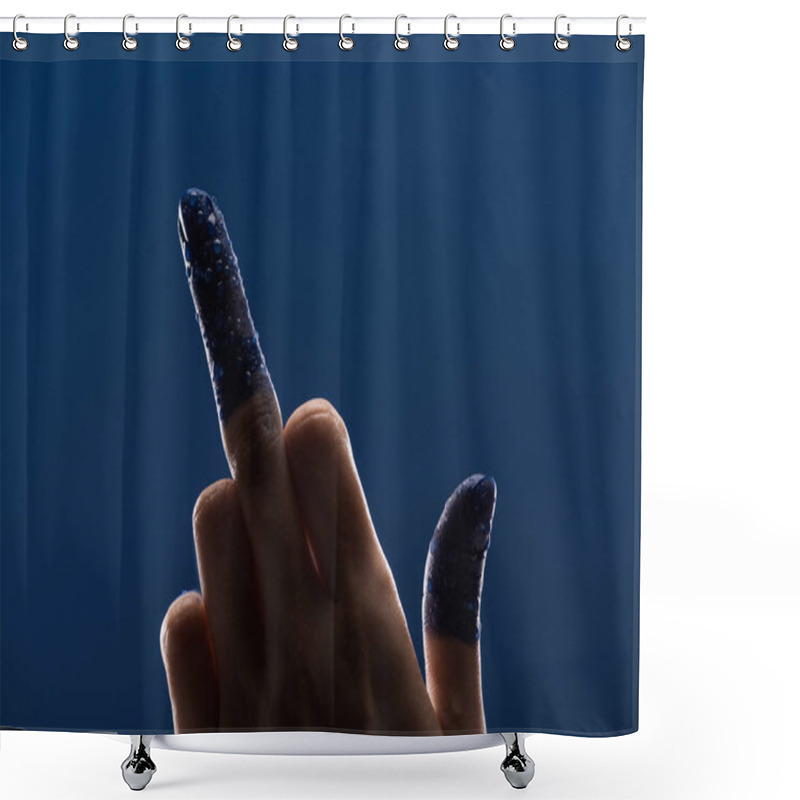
column 445, row 245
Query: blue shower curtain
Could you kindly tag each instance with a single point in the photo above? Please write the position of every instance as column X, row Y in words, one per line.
column 444, row 245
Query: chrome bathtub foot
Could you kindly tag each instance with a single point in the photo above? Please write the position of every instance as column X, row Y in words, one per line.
column 138, row 768
column 517, row 766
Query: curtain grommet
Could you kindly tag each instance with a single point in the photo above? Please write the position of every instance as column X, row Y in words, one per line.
column 561, row 44
column 70, row 42
column 345, row 42
column 129, row 43
column 182, row 42
column 401, row 42
column 622, row 44
column 19, row 43
column 233, row 44
column 290, row 44
column 451, row 42
column 507, row 42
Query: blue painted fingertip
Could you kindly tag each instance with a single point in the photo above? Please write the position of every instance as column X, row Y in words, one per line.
column 454, row 570
column 235, row 360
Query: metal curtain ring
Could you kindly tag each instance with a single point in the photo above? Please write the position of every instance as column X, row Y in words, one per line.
column 561, row 43
column 451, row 42
column 233, row 43
column 507, row 42
column 128, row 42
column 19, row 42
column 182, row 42
column 289, row 43
column 401, row 42
column 622, row 44
column 70, row 42
column 345, row 42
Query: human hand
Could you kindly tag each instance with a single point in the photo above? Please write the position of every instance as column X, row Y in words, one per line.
column 298, row 624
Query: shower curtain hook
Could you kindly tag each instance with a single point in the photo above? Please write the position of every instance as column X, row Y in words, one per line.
column 128, row 42
column 561, row 43
column 622, row 44
column 233, row 43
column 19, row 42
column 507, row 42
column 182, row 42
column 451, row 42
column 70, row 42
column 401, row 42
column 289, row 43
column 345, row 42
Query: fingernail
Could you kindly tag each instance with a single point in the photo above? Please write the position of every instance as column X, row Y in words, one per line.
column 235, row 360
column 454, row 568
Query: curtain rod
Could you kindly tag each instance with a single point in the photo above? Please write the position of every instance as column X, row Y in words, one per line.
column 568, row 26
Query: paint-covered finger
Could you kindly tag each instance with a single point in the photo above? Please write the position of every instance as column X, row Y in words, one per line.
column 235, row 360
column 456, row 558
column 250, row 417
column 452, row 590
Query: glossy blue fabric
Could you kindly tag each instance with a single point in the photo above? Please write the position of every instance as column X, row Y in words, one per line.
column 446, row 245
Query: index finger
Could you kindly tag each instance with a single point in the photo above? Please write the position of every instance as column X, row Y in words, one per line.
column 249, row 414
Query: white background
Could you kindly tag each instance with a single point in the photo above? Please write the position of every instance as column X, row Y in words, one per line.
column 720, row 449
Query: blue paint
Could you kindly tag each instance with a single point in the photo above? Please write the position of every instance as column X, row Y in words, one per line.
column 454, row 570
column 235, row 360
